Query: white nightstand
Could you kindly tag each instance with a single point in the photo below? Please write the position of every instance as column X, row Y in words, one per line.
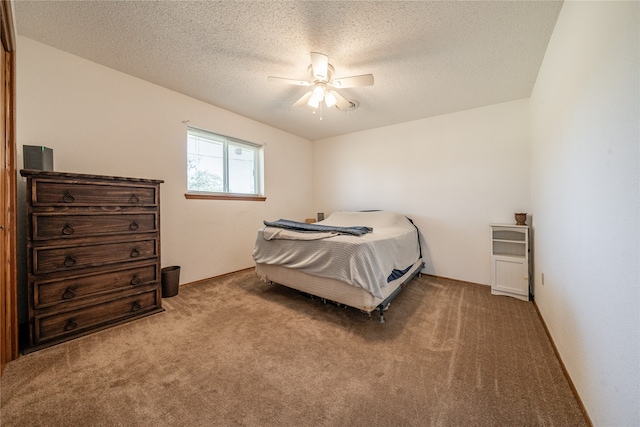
column 510, row 261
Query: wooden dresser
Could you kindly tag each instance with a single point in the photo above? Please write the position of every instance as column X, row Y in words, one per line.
column 93, row 253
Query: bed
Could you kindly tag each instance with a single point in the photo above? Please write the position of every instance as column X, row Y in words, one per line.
column 357, row 259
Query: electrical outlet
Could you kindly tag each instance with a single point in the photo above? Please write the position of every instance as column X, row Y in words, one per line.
column 542, row 279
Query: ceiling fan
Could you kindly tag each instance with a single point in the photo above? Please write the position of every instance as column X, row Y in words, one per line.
column 323, row 83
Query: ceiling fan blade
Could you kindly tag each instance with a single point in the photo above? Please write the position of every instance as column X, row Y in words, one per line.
column 320, row 65
column 353, row 81
column 303, row 100
column 342, row 102
column 288, row 81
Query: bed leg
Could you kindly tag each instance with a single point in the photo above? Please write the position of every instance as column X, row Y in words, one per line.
column 381, row 313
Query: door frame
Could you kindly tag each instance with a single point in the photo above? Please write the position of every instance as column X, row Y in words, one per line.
column 8, row 253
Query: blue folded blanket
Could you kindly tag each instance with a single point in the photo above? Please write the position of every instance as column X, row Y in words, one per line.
column 318, row 228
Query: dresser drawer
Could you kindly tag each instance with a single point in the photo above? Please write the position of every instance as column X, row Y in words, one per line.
column 77, row 288
column 47, row 260
column 76, row 321
column 70, row 226
column 91, row 194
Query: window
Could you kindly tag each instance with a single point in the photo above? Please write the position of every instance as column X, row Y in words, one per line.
column 219, row 165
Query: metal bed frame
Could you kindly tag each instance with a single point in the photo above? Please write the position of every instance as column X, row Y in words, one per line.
column 304, row 283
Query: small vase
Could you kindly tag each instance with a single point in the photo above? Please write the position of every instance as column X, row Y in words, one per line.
column 521, row 219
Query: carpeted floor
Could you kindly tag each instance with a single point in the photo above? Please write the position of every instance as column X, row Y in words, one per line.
column 236, row 351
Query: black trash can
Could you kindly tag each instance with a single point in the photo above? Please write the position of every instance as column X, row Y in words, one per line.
column 170, row 281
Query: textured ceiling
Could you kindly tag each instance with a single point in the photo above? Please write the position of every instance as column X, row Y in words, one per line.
column 428, row 57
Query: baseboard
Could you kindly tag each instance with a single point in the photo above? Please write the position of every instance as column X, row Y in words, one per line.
column 564, row 368
column 456, row 280
column 218, row 276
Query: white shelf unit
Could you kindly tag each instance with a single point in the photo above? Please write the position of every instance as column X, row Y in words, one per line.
column 510, row 261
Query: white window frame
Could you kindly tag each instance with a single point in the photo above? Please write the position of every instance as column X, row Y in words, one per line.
column 226, row 141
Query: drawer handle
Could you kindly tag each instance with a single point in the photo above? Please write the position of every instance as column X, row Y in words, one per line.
column 69, row 261
column 71, row 325
column 133, row 226
column 135, row 280
column 134, row 199
column 68, row 198
column 135, row 306
column 135, row 253
column 68, row 294
column 68, row 230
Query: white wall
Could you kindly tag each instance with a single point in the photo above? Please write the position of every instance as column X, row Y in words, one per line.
column 452, row 174
column 585, row 169
column 101, row 121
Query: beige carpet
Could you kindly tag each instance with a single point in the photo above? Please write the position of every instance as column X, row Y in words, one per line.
column 235, row 351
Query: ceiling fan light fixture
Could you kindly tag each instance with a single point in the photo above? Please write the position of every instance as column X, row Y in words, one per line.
column 330, row 99
column 314, row 103
column 318, row 92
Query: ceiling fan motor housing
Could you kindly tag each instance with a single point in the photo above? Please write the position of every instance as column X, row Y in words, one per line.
column 318, row 78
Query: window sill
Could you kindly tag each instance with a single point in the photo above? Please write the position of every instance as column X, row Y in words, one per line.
column 245, row 197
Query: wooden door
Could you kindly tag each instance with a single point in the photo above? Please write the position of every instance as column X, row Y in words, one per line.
column 8, row 228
